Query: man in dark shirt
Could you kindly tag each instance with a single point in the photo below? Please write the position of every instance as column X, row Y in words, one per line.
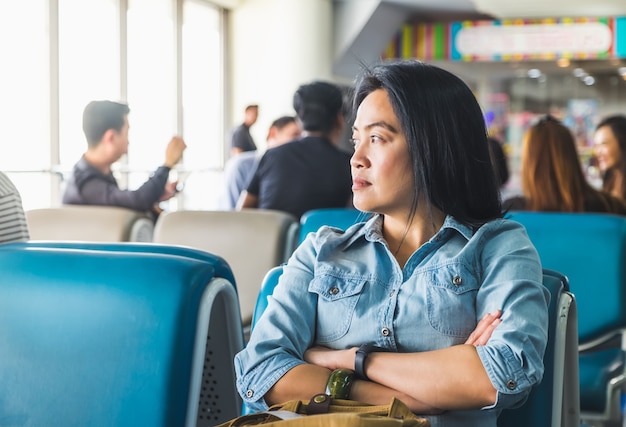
column 105, row 124
column 241, row 139
column 312, row 172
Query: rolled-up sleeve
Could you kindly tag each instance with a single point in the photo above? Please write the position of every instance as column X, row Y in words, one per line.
column 512, row 279
column 284, row 332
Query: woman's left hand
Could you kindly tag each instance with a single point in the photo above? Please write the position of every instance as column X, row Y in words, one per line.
column 331, row 359
column 484, row 329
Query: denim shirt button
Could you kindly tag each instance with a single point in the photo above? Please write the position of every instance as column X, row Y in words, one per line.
column 334, row 290
column 457, row 280
column 510, row 384
column 249, row 393
column 385, row 332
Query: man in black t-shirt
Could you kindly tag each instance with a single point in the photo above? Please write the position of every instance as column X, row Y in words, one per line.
column 312, row 172
column 241, row 140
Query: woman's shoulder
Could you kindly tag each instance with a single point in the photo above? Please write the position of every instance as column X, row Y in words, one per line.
column 328, row 235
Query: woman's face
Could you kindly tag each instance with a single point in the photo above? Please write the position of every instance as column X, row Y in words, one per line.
column 606, row 148
column 382, row 174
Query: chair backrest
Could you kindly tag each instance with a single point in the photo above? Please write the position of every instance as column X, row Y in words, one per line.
column 110, row 337
column 221, row 267
column 555, row 401
column 590, row 249
column 251, row 241
column 341, row 218
column 89, row 223
column 267, row 288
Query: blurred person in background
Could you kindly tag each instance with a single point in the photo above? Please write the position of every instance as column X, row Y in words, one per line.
column 13, row 226
column 552, row 175
column 239, row 169
column 609, row 147
column 241, row 140
column 311, row 172
column 105, row 124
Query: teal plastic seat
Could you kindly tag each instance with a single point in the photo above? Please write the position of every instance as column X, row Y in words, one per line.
column 590, row 249
column 554, row 401
column 267, row 288
column 113, row 337
column 341, row 218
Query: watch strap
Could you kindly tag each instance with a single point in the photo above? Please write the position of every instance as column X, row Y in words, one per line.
column 360, row 357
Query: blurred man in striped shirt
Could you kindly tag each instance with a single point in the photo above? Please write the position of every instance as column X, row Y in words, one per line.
column 13, row 227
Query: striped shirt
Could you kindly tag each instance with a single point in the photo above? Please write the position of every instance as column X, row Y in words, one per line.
column 13, row 227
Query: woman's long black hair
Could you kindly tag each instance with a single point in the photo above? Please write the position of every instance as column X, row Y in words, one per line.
column 445, row 131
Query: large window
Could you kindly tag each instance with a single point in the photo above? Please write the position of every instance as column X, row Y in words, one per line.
column 163, row 57
column 202, row 105
column 89, row 58
column 25, row 89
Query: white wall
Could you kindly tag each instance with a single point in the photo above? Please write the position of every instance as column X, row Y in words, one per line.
column 276, row 46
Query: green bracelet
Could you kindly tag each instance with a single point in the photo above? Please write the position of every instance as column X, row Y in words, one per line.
column 339, row 384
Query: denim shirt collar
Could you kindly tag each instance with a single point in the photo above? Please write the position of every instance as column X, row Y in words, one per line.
column 372, row 231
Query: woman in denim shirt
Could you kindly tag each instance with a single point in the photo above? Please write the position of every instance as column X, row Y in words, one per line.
column 416, row 279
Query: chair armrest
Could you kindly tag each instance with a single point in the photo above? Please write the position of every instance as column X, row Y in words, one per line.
column 613, row 339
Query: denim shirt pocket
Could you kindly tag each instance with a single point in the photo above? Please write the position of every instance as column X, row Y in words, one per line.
column 451, row 300
column 337, row 298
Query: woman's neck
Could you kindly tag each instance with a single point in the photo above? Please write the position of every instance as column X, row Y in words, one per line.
column 405, row 235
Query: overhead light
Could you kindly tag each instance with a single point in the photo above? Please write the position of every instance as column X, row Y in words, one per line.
column 534, row 73
column 589, row 80
column 579, row 72
column 563, row 62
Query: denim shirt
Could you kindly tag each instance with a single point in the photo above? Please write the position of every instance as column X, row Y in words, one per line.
column 341, row 290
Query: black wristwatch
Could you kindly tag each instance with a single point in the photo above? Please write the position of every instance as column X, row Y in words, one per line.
column 361, row 355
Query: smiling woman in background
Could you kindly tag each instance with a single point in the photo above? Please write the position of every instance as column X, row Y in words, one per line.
column 552, row 175
column 609, row 148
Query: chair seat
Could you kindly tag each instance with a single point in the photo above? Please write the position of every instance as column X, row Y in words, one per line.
column 596, row 370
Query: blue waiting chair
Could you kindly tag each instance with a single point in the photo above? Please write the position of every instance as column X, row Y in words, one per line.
column 341, row 218
column 552, row 403
column 101, row 337
column 555, row 401
column 590, row 249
